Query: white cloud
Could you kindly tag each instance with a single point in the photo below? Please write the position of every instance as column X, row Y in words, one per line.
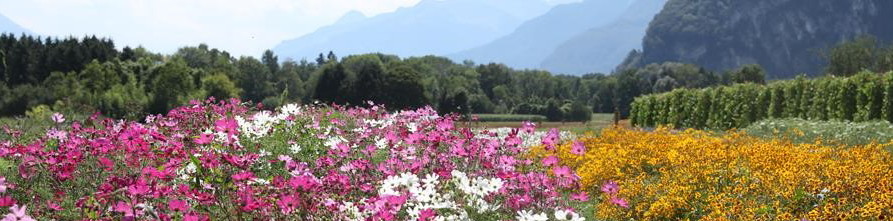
column 241, row 27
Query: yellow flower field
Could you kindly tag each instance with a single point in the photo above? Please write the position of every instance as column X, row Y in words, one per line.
column 670, row 175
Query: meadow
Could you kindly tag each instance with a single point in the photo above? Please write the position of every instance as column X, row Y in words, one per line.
column 229, row 161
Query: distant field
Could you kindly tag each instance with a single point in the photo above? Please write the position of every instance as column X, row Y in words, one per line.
column 599, row 121
column 508, row 117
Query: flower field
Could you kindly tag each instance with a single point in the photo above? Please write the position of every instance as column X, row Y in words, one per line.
column 228, row 161
column 666, row 175
column 225, row 161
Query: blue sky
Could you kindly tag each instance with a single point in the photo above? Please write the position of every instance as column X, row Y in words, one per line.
column 239, row 26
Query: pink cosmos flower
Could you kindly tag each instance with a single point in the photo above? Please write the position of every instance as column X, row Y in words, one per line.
column 190, row 217
column 563, row 172
column 578, row 148
column 427, row 214
column 550, row 161
column 58, row 118
column 7, row 201
column 204, row 138
column 17, row 214
column 54, row 206
column 226, row 125
column 247, row 175
column 178, row 205
column 2, row 184
column 551, row 139
column 581, row 196
column 138, row 188
column 528, row 127
column 287, row 204
column 125, row 208
column 619, row 202
column 106, row 163
column 610, row 187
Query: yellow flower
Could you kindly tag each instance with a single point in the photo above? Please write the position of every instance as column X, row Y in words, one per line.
column 672, row 175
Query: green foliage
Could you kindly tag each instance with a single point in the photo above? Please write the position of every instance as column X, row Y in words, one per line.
column 752, row 73
column 90, row 75
column 852, row 57
column 863, row 97
column 173, row 86
column 220, row 86
column 254, row 79
column 834, row 132
column 579, row 112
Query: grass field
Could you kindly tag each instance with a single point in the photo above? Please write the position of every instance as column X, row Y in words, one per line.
column 599, row 121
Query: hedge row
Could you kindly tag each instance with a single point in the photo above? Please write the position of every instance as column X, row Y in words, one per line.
column 863, row 97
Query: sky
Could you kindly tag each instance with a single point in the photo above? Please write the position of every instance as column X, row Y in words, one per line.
column 239, row 26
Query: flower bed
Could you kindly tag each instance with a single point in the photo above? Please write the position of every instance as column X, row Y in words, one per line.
column 215, row 161
column 678, row 175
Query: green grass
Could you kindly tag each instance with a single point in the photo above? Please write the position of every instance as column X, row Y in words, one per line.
column 509, row 117
column 599, row 121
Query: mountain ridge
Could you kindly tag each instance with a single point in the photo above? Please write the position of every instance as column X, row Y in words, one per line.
column 600, row 49
column 786, row 37
column 9, row 26
column 532, row 41
column 430, row 27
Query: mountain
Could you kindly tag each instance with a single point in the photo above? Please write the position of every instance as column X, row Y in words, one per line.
column 600, row 49
column 534, row 40
column 8, row 26
column 430, row 27
column 786, row 37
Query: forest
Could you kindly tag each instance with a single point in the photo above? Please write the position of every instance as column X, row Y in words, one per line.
column 90, row 75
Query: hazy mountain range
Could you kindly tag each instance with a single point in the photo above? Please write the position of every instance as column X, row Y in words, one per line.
column 600, row 49
column 431, row 27
column 8, row 26
column 536, row 39
column 573, row 38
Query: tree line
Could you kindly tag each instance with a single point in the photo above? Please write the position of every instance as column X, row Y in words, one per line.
column 89, row 74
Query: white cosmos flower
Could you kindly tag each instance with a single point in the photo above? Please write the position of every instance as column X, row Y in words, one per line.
column 525, row 215
column 295, row 148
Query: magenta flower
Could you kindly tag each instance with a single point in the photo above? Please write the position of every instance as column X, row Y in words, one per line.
column 610, row 187
column 204, row 138
column 58, row 118
column 581, row 196
column 54, row 206
column 178, row 205
column 191, row 217
column 578, row 148
column 138, row 188
column 550, row 161
column 563, row 172
column 106, row 163
column 528, row 127
column 288, row 204
column 125, row 208
column 17, row 213
column 247, row 175
column 551, row 139
column 7, row 201
column 619, row 202
column 427, row 214
column 2, row 184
